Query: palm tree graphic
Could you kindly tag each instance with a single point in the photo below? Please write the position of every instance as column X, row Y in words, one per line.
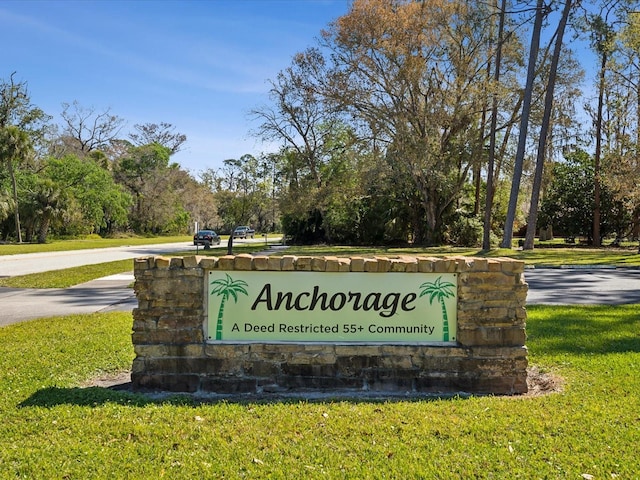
column 226, row 287
column 439, row 290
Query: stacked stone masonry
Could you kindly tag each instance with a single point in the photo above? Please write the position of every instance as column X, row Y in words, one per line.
column 490, row 356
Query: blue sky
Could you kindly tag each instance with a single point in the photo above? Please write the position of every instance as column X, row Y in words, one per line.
column 199, row 65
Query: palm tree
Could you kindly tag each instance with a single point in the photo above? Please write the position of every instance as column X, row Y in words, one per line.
column 439, row 290
column 48, row 200
column 226, row 287
column 15, row 146
column 6, row 205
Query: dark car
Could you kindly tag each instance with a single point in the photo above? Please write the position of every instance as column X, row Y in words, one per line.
column 204, row 237
column 243, row 232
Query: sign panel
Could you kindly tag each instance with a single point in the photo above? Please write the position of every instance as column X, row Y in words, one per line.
column 331, row 307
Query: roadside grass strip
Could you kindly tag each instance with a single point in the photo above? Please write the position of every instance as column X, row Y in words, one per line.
column 53, row 427
column 87, row 243
column 540, row 257
column 68, row 277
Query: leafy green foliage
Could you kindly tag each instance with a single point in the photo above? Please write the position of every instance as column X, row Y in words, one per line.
column 465, row 231
column 103, row 204
column 568, row 203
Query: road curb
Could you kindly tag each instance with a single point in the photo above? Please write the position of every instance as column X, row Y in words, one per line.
column 580, row 267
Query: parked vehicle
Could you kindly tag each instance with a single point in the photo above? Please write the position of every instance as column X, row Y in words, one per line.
column 243, row 232
column 204, row 237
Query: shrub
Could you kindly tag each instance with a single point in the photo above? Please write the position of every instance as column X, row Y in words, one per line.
column 465, row 232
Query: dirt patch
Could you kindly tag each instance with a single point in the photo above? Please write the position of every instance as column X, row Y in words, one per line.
column 115, row 381
column 539, row 384
column 542, row 383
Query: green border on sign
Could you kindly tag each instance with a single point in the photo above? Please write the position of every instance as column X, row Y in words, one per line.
column 331, row 307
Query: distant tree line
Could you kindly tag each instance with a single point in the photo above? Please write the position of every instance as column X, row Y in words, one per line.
column 454, row 122
column 424, row 122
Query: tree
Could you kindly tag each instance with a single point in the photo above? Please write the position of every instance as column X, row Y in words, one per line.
column 16, row 109
column 602, row 36
column 486, row 233
column 541, row 12
column 15, row 147
column 102, row 203
column 161, row 133
column 300, row 116
column 6, row 205
column 88, row 129
column 22, row 125
column 48, row 200
column 568, row 203
column 621, row 162
column 546, row 126
column 243, row 190
column 158, row 189
column 410, row 74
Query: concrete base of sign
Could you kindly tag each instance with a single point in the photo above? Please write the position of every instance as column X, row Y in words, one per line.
column 489, row 355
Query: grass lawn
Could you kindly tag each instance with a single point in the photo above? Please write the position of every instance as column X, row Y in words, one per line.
column 550, row 257
column 63, row 245
column 53, row 428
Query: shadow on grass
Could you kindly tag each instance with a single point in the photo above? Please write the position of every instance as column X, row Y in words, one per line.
column 121, row 395
column 95, row 396
column 583, row 330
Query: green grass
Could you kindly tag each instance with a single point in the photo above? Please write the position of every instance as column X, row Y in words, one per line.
column 53, row 428
column 67, row 277
column 622, row 257
column 63, row 245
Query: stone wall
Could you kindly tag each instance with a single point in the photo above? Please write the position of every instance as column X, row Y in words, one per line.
column 490, row 356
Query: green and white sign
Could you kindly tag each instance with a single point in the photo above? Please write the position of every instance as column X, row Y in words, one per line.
column 331, row 307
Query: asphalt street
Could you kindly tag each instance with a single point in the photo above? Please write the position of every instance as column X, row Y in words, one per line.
column 546, row 286
column 24, row 264
column 101, row 295
column 574, row 286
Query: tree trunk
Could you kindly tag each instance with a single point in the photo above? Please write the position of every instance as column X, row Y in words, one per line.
column 597, row 241
column 524, row 125
column 544, row 130
column 486, row 232
column 14, row 186
column 44, row 227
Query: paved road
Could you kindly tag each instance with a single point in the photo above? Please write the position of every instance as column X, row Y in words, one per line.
column 562, row 286
column 546, row 286
column 27, row 263
column 24, row 264
column 101, row 295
